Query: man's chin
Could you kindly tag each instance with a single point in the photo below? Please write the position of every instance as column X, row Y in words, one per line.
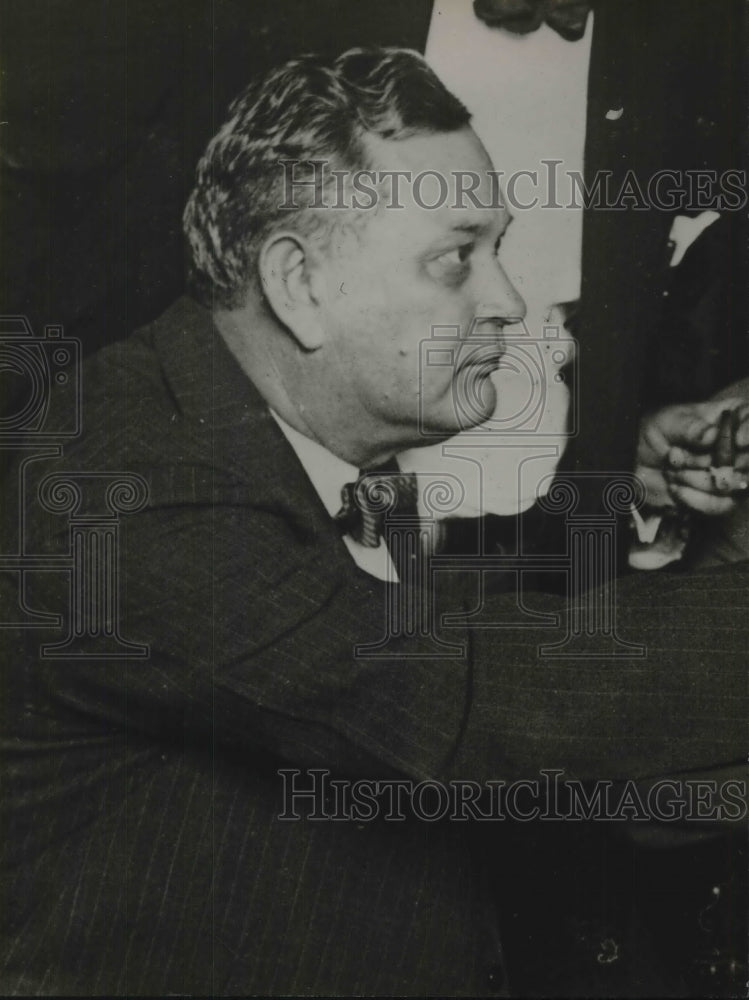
column 442, row 425
column 474, row 397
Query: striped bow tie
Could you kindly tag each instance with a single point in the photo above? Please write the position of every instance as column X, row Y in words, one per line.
column 377, row 495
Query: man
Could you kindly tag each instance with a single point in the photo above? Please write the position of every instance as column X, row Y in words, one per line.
column 144, row 848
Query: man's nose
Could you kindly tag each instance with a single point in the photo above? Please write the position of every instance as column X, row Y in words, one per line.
column 500, row 302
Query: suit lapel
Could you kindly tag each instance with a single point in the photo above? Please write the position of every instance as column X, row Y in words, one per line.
column 232, row 424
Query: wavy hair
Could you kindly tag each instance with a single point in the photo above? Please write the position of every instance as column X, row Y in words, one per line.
column 309, row 109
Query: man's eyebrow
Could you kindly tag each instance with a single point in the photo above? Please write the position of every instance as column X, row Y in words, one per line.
column 476, row 228
column 468, row 227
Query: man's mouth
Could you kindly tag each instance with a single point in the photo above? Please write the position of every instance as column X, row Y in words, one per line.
column 486, row 356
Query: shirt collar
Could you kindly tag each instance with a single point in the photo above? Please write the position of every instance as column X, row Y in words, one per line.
column 327, row 472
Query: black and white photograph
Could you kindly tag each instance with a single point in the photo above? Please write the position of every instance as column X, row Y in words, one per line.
column 374, row 498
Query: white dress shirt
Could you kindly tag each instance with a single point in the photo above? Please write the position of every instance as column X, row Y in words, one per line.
column 329, row 474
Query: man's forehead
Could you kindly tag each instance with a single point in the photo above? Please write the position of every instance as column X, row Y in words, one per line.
column 416, row 230
column 447, row 174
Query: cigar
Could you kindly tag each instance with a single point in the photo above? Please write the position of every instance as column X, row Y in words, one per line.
column 725, row 477
column 724, row 454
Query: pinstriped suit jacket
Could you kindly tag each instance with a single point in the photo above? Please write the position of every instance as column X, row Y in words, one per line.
column 142, row 847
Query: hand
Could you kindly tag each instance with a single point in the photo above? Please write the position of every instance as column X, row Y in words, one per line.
column 675, row 457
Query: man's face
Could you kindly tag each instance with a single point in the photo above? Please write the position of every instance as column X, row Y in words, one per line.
column 399, row 274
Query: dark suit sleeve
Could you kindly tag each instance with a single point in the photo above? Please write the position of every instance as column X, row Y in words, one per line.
column 252, row 636
column 681, row 706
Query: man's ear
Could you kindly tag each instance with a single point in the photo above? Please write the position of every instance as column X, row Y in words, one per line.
column 292, row 285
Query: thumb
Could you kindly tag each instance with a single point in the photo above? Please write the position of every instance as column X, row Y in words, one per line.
column 696, row 432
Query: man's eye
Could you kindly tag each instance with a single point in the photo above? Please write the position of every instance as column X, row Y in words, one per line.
column 456, row 257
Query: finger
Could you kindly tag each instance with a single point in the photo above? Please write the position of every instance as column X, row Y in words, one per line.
column 681, row 424
column 704, row 503
column 696, row 426
column 693, row 428
column 696, row 479
column 722, row 483
column 653, row 442
column 742, row 433
column 681, row 458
